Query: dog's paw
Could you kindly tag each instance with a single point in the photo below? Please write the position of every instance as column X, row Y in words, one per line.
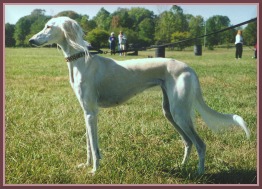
column 92, row 172
column 83, row 165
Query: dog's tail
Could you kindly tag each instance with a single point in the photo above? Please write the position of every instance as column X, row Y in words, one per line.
column 216, row 121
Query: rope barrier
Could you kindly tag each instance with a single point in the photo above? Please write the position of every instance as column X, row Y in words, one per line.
column 189, row 39
column 99, row 51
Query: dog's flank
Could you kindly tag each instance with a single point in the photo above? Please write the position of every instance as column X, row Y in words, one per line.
column 103, row 82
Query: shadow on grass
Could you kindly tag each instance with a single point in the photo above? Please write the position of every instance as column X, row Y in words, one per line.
column 234, row 176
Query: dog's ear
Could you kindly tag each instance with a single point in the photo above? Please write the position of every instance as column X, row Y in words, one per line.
column 71, row 30
column 73, row 34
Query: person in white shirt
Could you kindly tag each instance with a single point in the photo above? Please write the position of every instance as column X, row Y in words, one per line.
column 122, row 42
column 239, row 44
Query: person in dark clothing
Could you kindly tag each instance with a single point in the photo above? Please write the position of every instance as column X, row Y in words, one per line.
column 112, row 43
column 255, row 51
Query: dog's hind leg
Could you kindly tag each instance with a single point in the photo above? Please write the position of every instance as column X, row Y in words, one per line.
column 188, row 128
column 186, row 140
column 181, row 97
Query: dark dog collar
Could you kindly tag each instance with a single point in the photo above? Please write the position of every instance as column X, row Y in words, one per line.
column 75, row 57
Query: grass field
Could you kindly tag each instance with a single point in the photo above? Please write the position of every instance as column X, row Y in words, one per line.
column 45, row 131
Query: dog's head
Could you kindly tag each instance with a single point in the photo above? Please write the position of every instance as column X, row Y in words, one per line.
column 60, row 30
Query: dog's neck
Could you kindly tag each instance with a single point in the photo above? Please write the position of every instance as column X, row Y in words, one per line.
column 68, row 51
column 71, row 54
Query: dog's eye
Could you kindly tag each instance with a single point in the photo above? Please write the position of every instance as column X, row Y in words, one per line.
column 48, row 27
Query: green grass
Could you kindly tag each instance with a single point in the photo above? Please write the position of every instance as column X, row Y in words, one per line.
column 45, row 131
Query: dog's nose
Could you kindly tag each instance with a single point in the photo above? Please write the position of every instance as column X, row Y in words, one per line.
column 31, row 41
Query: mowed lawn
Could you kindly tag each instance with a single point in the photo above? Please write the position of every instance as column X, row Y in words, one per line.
column 45, row 129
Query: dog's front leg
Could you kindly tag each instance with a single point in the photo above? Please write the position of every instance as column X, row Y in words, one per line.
column 88, row 154
column 87, row 99
column 91, row 141
column 91, row 129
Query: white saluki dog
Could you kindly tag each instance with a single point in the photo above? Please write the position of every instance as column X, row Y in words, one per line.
column 103, row 82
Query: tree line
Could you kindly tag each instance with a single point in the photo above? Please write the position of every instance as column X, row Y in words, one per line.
column 141, row 26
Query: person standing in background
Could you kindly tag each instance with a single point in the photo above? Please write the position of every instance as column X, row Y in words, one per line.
column 255, row 51
column 239, row 44
column 112, row 43
column 122, row 42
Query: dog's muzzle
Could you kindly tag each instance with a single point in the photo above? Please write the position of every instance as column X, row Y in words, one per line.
column 33, row 42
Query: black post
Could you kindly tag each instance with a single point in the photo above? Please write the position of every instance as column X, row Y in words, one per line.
column 160, row 52
column 198, row 50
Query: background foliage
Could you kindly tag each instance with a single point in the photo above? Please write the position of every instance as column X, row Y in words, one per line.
column 141, row 26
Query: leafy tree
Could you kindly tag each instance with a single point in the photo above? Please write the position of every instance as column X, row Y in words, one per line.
column 169, row 22
column 164, row 27
column 84, row 23
column 196, row 27
column 102, row 19
column 180, row 20
column 124, row 20
column 229, row 37
column 179, row 36
column 138, row 14
column 98, row 38
column 71, row 14
column 22, row 29
column 146, row 31
column 250, row 34
column 115, row 22
column 37, row 13
column 213, row 24
column 9, row 33
column 91, row 25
